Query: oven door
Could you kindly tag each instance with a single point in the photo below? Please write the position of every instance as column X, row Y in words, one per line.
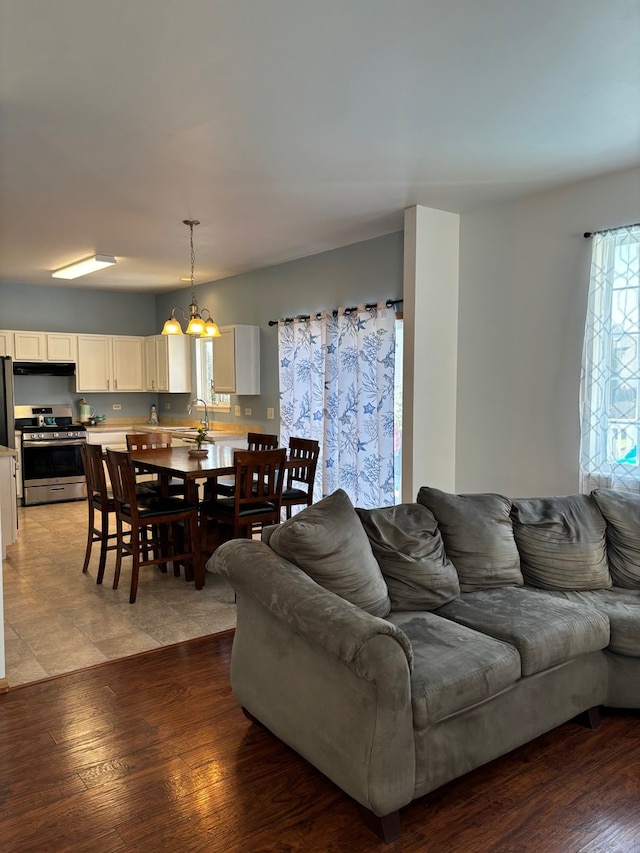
column 52, row 471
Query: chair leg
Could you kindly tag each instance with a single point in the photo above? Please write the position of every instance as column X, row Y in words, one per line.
column 135, row 566
column 104, row 541
column 196, row 553
column 119, row 540
column 87, row 553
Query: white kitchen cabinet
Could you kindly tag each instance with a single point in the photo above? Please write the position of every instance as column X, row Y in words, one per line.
column 168, row 364
column 110, row 363
column 236, row 360
column 93, row 371
column 116, row 440
column 6, row 343
column 38, row 346
column 128, row 363
column 8, row 501
column 30, row 346
column 60, row 346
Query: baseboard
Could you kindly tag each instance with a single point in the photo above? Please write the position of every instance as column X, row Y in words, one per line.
column 4, row 685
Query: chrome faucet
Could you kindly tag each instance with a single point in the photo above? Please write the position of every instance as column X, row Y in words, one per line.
column 205, row 420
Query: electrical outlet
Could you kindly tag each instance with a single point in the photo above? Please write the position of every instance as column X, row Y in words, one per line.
column 116, row 407
column 247, row 411
column 236, row 411
column 270, row 414
column 167, row 405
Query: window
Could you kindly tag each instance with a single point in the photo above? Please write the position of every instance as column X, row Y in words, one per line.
column 206, row 377
column 610, row 422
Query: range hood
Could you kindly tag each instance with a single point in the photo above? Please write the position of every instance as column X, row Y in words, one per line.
column 44, row 368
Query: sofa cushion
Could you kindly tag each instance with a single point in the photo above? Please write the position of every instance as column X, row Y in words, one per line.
column 562, row 542
column 453, row 667
column 622, row 609
column 408, row 546
column 328, row 542
column 545, row 631
column 478, row 537
column 621, row 511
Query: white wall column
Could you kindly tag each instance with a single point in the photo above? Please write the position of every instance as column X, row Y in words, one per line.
column 431, row 263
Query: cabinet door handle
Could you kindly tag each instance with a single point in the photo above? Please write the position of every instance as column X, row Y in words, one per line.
column 115, row 384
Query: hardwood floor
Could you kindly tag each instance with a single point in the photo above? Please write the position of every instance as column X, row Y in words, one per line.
column 152, row 753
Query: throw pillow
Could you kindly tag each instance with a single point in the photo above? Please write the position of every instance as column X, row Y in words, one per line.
column 409, row 549
column 327, row 541
column 562, row 542
column 621, row 511
column 478, row 537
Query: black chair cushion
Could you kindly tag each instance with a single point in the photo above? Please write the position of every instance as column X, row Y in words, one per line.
column 97, row 502
column 226, row 506
column 158, row 505
column 294, row 494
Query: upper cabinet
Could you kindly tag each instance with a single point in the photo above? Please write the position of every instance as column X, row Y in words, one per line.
column 61, row 346
column 236, row 360
column 41, row 346
column 168, row 364
column 128, row 363
column 110, row 363
column 6, row 343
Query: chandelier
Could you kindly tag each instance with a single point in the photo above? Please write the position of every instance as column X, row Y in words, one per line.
column 205, row 327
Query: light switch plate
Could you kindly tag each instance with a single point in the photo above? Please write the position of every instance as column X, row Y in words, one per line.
column 247, row 411
column 270, row 414
column 236, row 411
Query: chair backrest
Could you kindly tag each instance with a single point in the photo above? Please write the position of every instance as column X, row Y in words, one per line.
column 123, row 478
column 261, row 441
column 93, row 464
column 148, row 440
column 303, row 461
column 259, row 477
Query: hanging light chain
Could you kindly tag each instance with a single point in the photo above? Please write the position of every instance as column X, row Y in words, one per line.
column 191, row 223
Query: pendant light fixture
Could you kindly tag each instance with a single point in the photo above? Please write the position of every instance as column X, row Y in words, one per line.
column 204, row 327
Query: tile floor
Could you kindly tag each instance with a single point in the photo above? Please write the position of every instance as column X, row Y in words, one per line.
column 58, row 620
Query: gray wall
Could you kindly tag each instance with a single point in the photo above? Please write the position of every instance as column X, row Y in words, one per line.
column 524, row 270
column 75, row 309
column 362, row 272
column 365, row 271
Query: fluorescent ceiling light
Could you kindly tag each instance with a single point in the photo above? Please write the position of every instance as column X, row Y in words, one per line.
column 97, row 262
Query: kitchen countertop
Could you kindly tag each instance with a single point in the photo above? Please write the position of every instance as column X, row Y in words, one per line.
column 218, row 430
column 7, row 451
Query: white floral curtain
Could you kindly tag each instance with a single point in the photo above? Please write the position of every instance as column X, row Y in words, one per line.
column 336, row 385
column 610, row 382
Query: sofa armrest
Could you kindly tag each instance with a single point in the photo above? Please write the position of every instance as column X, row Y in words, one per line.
column 340, row 627
column 327, row 678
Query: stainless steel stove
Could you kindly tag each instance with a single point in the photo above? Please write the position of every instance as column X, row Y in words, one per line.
column 51, row 459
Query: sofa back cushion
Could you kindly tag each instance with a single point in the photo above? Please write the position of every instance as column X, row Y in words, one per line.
column 621, row 511
column 409, row 549
column 478, row 537
column 328, row 542
column 562, row 542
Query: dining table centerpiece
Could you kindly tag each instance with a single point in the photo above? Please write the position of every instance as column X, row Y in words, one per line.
column 199, row 451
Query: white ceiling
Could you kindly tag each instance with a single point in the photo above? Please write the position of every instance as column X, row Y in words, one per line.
column 289, row 127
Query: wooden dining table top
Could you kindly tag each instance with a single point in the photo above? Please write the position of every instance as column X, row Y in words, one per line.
column 176, row 462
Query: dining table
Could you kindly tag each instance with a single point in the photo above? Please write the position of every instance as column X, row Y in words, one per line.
column 170, row 462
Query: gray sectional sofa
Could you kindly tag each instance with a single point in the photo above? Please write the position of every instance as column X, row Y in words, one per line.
column 399, row 648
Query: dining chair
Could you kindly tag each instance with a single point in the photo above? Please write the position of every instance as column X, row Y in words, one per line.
column 153, row 521
column 100, row 502
column 152, row 441
column 257, row 499
column 301, row 473
column 224, row 486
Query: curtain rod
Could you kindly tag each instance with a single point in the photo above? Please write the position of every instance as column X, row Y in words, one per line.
column 588, row 234
column 390, row 303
